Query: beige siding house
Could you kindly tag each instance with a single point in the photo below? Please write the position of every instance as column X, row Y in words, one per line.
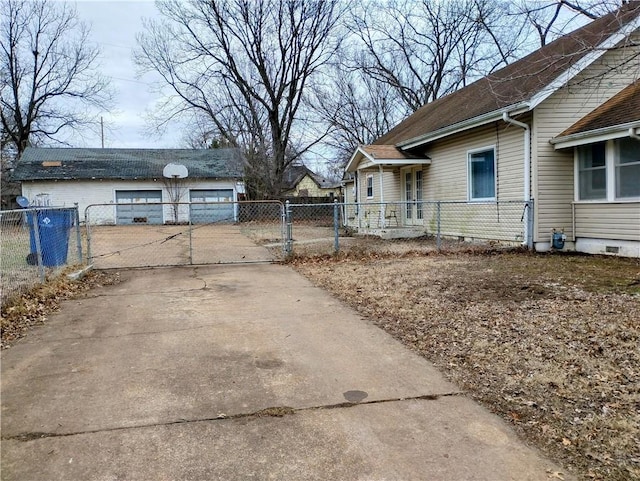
column 552, row 139
column 300, row 181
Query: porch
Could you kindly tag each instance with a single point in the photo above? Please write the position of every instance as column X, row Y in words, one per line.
column 388, row 190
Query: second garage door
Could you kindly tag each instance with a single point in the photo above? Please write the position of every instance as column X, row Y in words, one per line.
column 212, row 210
column 139, row 207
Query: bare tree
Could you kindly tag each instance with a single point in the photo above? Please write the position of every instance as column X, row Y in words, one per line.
column 551, row 19
column 425, row 49
column 357, row 110
column 8, row 189
column 48, row 73
column 246, row 66
column 177, row 189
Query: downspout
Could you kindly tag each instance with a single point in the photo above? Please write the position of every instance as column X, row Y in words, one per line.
column 632, row 133
column 528, row 235
column 382, row 213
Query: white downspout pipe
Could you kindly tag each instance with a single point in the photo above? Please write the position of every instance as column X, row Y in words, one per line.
column 528, row 236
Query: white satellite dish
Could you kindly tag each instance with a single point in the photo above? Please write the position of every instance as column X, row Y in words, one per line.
column 175, row 171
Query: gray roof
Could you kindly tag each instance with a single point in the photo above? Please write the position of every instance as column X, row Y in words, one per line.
column 125, row 164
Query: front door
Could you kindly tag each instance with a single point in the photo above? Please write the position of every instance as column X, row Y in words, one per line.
column 412, row 212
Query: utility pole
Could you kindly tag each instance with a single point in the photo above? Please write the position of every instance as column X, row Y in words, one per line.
column 102, row 131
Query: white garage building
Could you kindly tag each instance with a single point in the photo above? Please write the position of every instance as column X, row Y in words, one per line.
column 129, row 183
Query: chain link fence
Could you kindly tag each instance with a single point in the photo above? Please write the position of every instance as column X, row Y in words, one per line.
column 189, row 233
column 39, row 241
column 36, row 243
column 398, row 227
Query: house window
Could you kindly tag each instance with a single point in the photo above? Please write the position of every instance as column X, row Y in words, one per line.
column 609, row 170
column 627, row 168
column 592, row 171
column 482, row 174
column 369, row 186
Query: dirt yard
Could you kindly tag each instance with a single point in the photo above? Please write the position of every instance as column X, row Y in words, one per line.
column 549, row 342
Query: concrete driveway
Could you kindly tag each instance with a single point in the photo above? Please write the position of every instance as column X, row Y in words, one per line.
column 235, row 373
column 123, row 246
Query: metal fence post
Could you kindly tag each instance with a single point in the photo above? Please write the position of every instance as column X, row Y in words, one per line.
column 78, row 237
column 438, row 239
column 36, row 233
column 87, row 225
column 336, row 231
column 288, row 242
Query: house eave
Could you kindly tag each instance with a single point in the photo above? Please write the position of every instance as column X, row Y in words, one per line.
column 468, row 124
column 371, row 161
column 408, row 161
column 360, row 152
column 535, row 99
column 596, row 135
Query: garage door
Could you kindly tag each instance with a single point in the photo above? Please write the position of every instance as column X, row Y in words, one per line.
column 212, row 211
column 143, row 207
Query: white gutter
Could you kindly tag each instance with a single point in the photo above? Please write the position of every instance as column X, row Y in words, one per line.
column 632, row 133
column 462, row 126
column 596, row 135
column 527, row 171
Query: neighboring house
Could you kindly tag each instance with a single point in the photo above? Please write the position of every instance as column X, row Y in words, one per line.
column 132, row 180
column 560, row 128
column 300, row 181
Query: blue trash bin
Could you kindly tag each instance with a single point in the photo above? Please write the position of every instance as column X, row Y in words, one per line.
column 54, row 227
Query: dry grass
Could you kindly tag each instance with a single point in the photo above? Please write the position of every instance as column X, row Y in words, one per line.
column 549, row 342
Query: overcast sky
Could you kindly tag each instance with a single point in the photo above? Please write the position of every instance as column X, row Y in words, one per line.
column 114, row 25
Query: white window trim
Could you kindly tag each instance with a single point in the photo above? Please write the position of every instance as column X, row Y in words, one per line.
column 369, row 176
column 610, row 169
column 495, row 177
column 614, row 155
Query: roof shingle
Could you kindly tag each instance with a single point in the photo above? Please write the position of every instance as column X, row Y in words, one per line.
column 512, row 84
column 124, row 164
column 379, row 151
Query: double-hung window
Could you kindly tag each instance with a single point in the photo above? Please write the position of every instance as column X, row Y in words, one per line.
column 627, row 168
column 369, row 186
column 481, row 170
column 592, row 172
column 609, row 171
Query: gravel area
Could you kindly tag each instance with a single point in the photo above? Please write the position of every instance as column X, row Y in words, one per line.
column 548, row 342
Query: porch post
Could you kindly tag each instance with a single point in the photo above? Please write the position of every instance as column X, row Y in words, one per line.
column 358, row 197
column 383, row 207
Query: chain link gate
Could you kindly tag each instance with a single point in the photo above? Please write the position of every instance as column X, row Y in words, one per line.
column 149, row 234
